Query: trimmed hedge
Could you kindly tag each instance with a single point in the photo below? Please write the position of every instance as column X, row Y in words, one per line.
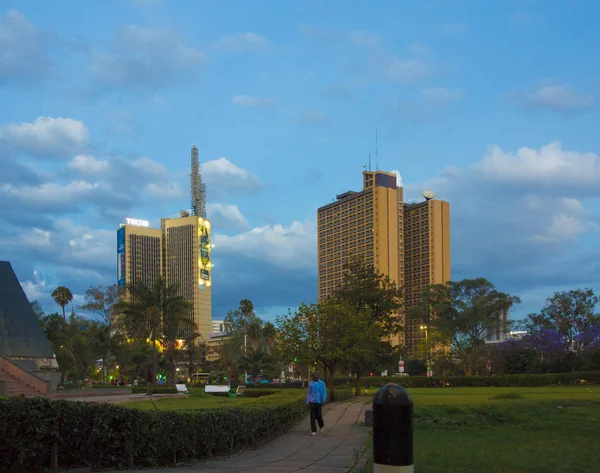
column 112, row 436
column 508, row 380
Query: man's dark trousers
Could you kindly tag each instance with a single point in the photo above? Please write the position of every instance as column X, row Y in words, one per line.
column 316, row 414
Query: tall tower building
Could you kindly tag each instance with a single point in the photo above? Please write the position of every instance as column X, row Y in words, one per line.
column 139, row 257
column 198, row 188
column 426, row 259
column 187, row 262
column 410, row 243
column 365, row 225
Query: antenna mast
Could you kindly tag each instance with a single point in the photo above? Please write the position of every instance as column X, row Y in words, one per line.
column 376, row 150
column 369, row 162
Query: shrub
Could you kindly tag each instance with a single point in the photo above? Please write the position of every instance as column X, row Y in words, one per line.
column 509, row 380
column 111, row 436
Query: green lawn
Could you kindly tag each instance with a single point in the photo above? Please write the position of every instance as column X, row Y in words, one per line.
column 198, row 400
column 546, row 430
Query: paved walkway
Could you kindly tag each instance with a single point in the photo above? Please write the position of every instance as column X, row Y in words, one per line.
column 333, row 451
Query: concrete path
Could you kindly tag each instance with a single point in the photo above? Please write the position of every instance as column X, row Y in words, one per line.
column 333, row 451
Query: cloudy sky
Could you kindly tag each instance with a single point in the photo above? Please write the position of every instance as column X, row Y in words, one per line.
column 493, row 107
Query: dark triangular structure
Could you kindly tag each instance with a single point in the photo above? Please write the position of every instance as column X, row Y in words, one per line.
column 27, row 362
column 21, row 334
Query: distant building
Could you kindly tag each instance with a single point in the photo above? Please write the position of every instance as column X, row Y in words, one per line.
column 218, row 326
column 500, row 332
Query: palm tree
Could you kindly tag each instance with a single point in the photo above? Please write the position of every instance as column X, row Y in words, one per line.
column 257, row 362
column 156, row 313
column 62, row 296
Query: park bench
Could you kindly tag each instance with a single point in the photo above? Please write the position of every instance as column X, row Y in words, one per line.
column 216, row 389
column 181, row 389
column 240, row 390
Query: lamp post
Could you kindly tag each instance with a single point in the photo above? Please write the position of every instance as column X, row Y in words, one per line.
column 424, row 327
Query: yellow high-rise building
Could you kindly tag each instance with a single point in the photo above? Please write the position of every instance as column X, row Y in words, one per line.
column 366, row 225
column 426, row 260
column 187, row 262
column 375, row 226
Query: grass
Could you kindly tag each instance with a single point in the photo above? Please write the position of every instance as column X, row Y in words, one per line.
column 500, row 430
column 198, row 400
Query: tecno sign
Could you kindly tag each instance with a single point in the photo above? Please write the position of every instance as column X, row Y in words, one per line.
column 137, row 223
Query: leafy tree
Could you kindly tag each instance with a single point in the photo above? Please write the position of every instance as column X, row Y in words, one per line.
column 459, row 313
column 257, row 362
column 375, row 301
column 569, row 313
column 62, row 296
column 102, row 301
column 318, row 334
column 155, row 313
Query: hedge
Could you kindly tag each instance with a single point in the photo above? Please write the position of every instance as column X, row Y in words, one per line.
column 111, row 436
column 508, row 380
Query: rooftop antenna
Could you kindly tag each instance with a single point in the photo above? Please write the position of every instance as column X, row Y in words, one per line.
column 376, row 149
column 369, row 162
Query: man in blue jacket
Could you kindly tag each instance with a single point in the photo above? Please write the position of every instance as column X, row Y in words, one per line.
column 315, row 398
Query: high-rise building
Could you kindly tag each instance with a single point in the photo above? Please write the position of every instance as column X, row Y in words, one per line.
column 197, row 188
column 426, row 260
column 410, row 243
column 365, row 225
column 187, row 262
column 139, row 255
column 500, row 331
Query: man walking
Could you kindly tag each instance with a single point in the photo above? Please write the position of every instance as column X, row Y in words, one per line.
column 315, row 398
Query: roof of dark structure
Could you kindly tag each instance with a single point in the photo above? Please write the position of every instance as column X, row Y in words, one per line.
column 20, row 331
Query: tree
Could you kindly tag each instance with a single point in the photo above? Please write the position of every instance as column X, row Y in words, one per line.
column 375, row 301
column 154, row 313
column 569, row 313
column 102, row 301
column 62, row 296
column 458, row 315
column 317, row 334
column 257, row 362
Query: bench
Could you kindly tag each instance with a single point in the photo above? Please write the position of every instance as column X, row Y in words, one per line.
column 215, row 388
column 181, row 389
column 240, row 390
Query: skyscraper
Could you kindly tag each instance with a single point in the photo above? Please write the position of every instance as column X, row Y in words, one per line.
column 426, row 260
column 366, row 225
column 197, row 188
column 139, row 258
column 187, row 262
column 409, row 243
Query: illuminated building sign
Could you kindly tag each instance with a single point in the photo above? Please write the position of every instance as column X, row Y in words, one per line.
column 204, row 263
column 137, row 223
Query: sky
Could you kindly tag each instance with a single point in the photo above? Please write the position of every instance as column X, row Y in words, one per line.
column 494, row 106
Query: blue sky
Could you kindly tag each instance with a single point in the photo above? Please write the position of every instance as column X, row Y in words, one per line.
column 493, row 107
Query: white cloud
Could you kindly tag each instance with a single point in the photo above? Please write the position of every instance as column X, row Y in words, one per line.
column 52, row 194
column 548, row 166
column 399, row 69
column 168, row 190
column 46, row 136
column 88, row 165
column 560, row 99
column 226, row 216
column 253, row 102
column 242, row 42
column 290, row 247
column 38, row 238
column 22, row 50
column 150, row 167
column 398, row 177
column 147, row 59
column 223, row 176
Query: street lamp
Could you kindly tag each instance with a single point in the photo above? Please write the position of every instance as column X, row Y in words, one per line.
column 424, row 327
